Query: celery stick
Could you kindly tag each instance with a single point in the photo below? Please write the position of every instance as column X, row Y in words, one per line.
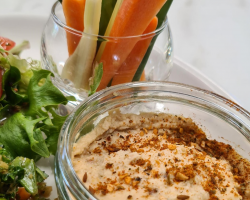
column 110, row 25
column 78, row 67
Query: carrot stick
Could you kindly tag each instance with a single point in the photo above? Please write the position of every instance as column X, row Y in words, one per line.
column 132, row 19
column 129, row 67
column 74, row 16
column 161, row 18
column 143, row 76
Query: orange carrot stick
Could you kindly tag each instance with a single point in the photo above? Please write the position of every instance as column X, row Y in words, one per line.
column 143, row 76
column 132, row 19
column 128, row 68
column 74, row 16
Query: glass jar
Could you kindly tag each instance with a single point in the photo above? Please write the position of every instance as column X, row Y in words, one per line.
column 220, row 118
column 58, row 38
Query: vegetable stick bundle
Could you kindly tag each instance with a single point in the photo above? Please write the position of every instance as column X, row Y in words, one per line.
column 127, row 28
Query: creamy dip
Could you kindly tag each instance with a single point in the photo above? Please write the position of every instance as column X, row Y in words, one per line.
column 157, row 156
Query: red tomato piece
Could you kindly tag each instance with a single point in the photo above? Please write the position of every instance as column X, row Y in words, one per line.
column 6, row 43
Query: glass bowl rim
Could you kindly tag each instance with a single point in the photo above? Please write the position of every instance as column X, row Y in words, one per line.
column 80, row 33
column 218, row 97
column 74, row 114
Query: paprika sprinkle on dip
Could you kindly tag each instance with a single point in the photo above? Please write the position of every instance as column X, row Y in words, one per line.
column 158, row 156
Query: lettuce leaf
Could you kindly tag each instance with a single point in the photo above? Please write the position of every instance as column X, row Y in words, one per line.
column 43, row 94
column 19, row 137
column 11, row 79
column 52, row 131
column 29, row 124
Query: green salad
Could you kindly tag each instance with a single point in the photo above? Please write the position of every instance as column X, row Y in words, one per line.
column 29, row 123
column 20, row 175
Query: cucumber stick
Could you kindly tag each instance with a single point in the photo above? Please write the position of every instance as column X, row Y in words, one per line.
column 78, row 67
column 109, row 27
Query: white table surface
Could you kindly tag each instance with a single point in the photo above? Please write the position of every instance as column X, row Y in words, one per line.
column 211, row 35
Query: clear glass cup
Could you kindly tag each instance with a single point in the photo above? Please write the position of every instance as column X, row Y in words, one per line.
column 220, row 118
column 54, row 54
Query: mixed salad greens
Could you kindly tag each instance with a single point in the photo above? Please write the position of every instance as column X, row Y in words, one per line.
column 29, row 123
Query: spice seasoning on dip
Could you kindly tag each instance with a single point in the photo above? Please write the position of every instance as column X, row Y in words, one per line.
column 158, row 156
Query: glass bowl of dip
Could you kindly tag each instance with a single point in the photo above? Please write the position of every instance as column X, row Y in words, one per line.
column 221, row 119
column 58, row 38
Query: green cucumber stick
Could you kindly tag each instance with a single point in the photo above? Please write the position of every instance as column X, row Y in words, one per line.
column 106, row 13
